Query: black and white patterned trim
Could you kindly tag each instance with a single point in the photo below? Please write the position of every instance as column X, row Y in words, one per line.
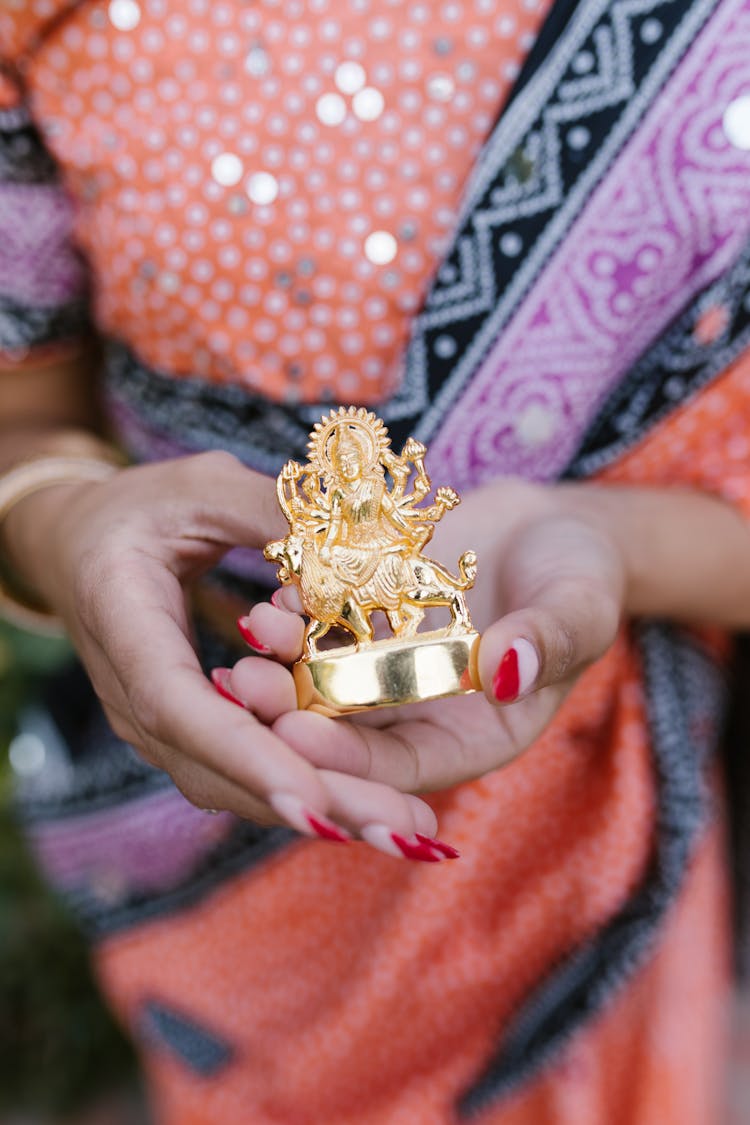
column 23, row 157
column 197, row 415
column 23, row 327
column 685, row 696
column 672, row 372
column 529, row 186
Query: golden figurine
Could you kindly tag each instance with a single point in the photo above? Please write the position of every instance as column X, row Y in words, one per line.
column 354, row 547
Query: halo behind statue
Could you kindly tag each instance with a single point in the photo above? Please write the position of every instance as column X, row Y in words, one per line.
column 372, row 434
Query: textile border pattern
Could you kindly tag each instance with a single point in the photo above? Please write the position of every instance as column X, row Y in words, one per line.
column 529, row 187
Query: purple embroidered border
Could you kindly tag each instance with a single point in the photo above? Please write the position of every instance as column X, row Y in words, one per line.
column 672, row 214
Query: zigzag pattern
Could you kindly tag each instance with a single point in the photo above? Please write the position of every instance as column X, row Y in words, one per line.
column 531, row 184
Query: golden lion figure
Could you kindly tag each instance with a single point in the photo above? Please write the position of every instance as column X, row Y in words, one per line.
column 355, row 545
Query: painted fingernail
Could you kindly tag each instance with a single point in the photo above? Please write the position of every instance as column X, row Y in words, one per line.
column 380, row 836
column 326, row 828
column 286, row 598
column 250, row 639
column 448, row 851
column 516, row 673
column 220, row 680
column 309, row 823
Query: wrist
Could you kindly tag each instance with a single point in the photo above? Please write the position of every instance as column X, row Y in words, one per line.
column 685, row 553
column 29, row 537
column 32, row 497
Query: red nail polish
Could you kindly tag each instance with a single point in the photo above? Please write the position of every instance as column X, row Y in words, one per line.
column 506, row 681
column 326, row 829
column 250, row 639
column 275, row 599
column 418, row 850
column 220, row 680
column 446, row 849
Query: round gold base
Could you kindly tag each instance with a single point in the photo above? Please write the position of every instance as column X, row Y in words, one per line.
column 388, row 673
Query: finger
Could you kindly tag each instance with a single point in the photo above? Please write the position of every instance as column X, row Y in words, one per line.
column 563, row 585
column 395, row 823
column 262, row 686
column 287, row 597
column 457, row 740
column 174, row 704
column 545, row 644
column 184, row 718
column 273, row 632
column 238, row 506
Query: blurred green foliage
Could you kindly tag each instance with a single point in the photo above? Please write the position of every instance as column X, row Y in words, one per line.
column 59, row 1049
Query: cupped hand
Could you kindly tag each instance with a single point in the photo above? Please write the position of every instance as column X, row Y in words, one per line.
column 114, row 560
column 548, row 599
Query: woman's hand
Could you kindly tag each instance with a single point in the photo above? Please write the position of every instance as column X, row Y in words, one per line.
column 549, row 596
column 113, row 559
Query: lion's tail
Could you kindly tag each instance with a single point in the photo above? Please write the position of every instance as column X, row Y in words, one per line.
column 467, row 566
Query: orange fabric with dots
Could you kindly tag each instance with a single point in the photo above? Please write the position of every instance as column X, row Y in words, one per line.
column 278, row 297
column 23, row 24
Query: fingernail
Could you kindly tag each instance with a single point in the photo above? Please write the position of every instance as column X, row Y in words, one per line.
column 309, row 823
column 220, row 680
column 250, row 639
column 391, row 843
column 286, row 598
column 517, row 672
column 326, row 828
column 448, row 851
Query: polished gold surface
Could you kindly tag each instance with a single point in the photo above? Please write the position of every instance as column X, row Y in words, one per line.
column 355, row 547
column 387, row 673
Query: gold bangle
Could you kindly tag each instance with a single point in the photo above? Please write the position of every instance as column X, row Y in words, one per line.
column 15, row 485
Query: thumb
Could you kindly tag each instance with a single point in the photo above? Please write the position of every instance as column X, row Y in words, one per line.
column 236, row 505
column 563, row 586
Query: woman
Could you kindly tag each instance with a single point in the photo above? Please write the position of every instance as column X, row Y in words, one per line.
column 265, row 196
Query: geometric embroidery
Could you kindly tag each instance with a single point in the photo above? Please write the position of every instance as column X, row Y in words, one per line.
column 671, row 216
column 23, row 157
column 548, row 151
column 23, row 327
